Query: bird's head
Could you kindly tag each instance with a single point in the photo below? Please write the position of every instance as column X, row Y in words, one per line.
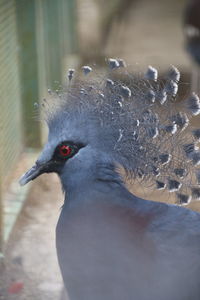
column 79, row 141
column 130, row 122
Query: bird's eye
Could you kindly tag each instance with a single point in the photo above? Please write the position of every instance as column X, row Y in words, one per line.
column 65, row 150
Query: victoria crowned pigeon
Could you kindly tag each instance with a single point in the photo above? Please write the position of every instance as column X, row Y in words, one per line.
column 103, row 130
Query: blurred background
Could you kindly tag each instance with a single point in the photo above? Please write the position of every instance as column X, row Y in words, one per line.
column 39, row 41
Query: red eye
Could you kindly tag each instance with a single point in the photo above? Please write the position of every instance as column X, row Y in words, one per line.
column 65, row 150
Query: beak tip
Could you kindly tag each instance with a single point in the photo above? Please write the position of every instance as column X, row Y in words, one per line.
column 22, row 180
column 29, row 175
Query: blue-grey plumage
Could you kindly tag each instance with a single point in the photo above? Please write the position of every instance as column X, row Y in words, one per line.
column 111, row 244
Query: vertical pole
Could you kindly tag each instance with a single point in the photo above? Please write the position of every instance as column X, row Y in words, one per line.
column 26, row 29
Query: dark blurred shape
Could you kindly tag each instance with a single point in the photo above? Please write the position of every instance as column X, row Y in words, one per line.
column 17, row 260
column 192, row 29
column 117, row 11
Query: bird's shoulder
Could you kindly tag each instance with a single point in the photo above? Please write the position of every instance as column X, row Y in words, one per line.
column 168, row 221
column 175, row 226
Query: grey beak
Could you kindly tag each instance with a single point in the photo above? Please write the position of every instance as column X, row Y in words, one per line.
column 31, row 174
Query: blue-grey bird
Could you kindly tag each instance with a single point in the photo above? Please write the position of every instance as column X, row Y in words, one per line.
column 111, row 244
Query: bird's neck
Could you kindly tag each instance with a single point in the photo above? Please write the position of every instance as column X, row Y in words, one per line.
column 96, row 183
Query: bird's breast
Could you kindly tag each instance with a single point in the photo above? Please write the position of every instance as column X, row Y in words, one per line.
column 105, row 252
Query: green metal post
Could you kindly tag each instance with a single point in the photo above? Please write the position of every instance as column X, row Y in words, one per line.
column 28, row 69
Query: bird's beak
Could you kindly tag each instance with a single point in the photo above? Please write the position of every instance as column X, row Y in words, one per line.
column 31, row 174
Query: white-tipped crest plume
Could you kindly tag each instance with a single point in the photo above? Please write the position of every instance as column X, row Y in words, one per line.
column 137, row 122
